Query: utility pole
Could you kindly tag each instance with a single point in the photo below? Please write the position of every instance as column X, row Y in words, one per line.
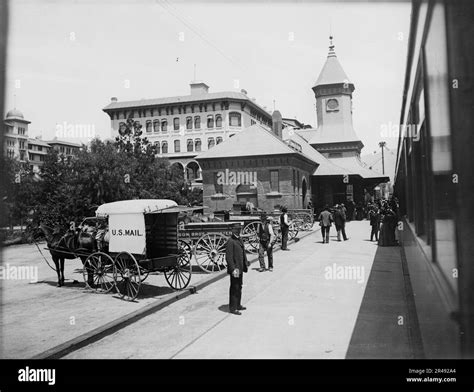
column 382, row 145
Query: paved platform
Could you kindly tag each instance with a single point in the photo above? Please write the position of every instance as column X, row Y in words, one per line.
column 336, row 300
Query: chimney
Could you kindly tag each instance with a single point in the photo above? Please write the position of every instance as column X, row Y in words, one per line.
column 113, row 99
column 198, row 88
column 277, row 124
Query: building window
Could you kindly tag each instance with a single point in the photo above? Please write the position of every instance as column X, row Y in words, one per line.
column 176, row 123
column 157, row 146
column 190, row 145
column 164, row 126
column 210, row 121
column 164, row 147
column 210, row 142
column 219, row 140
column 10, row 153
column 235, row 119
column 252, row 122
column 177, row 146
column 40, row 148
column 122, row 128
column 68, row 150
column 274, row 181
column 189, row 123
column 156, row 126
column 197, row 145
column 197, row 122
column 148, row 126
column 218, row 121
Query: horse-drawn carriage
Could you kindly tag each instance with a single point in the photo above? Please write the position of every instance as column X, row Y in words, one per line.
column 139, row 237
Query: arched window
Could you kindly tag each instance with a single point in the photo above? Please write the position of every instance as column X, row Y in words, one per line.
column 148, row 126
column 218, row 121
column 156, row 126
column 164, row 147
column 189, row 123
column 157, row 146
column 164, row 126
column 177, row 146
column 210, row 142
column 218, row 140
column 235, row 119
column 197, row 145
column 197, row 122
column 210, row 121
column 190, row 145
column 176, row 123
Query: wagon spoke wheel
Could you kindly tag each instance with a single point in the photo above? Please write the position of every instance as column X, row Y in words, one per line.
column 179, row 277
column 127, row 276
column 250, row 237
column 292, row 231
column 209, row 252
column 98, row 272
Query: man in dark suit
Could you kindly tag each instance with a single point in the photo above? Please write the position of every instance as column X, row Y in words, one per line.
column 237, row 264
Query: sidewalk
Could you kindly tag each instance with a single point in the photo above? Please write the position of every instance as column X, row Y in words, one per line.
column 310, row 306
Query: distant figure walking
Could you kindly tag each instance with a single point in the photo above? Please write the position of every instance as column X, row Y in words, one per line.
column 325, row 219
column 267, row 239
column 340, row 222
column 374, row 217
column 285, row 228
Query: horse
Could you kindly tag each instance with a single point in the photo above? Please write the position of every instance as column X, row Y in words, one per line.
column 68, row 246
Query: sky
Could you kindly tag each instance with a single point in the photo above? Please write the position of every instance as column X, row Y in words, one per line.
column 66, row 59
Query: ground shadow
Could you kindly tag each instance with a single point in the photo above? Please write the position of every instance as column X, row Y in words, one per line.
column 377, row 332
column 224, row 308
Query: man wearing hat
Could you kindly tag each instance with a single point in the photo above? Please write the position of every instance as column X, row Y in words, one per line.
column 267, row 239
column 285, row 228
column 237, row 264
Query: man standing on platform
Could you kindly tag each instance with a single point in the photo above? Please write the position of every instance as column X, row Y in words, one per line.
column 285, row 228
column 237, row 264
column 267, row 239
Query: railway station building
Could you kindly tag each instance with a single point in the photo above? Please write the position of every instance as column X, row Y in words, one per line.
column 287, row 164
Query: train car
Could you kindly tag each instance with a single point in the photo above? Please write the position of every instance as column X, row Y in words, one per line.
column 434, row 179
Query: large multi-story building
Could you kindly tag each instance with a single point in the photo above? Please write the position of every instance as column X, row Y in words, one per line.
column 183, row 126
column 18, row 145
column 16, row 135
column 37, row 151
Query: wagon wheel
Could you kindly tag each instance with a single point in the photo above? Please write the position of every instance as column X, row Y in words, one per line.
column 144, row 274
column 127, row 276
column 100, row 267
column 250, row 237
column 292, row 231
column 209, row 252
column 179, row 277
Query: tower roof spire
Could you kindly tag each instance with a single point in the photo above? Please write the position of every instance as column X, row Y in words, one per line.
column 332, row 72
column 331, row 53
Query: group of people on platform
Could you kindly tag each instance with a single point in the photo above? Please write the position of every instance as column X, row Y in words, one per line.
column 382, row 214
